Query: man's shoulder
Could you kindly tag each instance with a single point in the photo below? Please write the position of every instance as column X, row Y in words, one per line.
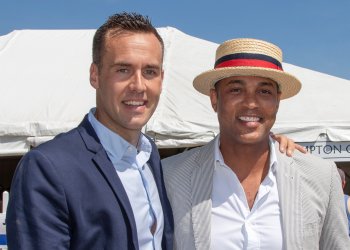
column 312, row 162
column 67, row 153
column 62, row 141
column 181, row 164
column 314, row 172
column 190, row 157
column 304, row 162
column 180, row 167
column 187, row 155
column 67, row 145
column 67, row 140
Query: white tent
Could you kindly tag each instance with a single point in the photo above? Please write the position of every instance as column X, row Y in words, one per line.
column 45, row 90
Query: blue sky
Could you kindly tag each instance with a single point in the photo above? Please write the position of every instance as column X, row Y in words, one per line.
column 314, row 34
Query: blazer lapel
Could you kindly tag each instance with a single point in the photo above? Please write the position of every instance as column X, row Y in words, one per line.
column 155, row 166
column 107, row 170
column 289, row 189
column 202, row 185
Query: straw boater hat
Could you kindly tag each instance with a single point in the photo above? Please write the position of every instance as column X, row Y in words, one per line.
column 248, row 57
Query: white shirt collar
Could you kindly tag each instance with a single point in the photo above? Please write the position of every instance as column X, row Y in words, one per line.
column 219, row 158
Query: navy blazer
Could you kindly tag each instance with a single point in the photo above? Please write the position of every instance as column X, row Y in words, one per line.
column 66, row 194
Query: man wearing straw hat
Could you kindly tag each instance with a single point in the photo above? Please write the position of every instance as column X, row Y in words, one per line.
column 239, row 191
column 100, row 186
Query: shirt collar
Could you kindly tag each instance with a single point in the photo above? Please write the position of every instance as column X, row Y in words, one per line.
column 219, row 158
column 117, row 147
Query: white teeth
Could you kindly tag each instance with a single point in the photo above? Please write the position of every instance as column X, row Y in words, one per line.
column 134, row 103
column 249, row 118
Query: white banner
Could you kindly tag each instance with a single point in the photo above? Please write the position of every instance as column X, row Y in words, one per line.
column 336, row 151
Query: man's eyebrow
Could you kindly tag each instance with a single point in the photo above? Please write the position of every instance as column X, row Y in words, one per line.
column 121, row 64
column 264, row 83
column 272, row 84
column 261, row 84
column 153, row 66
column 236, row 81
column 125, row 64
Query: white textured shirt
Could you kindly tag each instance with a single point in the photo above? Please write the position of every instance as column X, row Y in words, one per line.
column 138, row 181
column 233, row 224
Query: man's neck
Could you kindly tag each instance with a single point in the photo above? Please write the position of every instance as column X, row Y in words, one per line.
column 130, row 135
column 250, row 163
column 245, row 159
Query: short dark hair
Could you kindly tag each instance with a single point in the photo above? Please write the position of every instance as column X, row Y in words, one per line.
column 118, row 23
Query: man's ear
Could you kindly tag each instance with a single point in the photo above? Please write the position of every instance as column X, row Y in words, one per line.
column 214, row 99
column 162, row 79
column 94, row 76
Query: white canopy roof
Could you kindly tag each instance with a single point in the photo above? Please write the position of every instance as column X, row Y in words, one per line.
column 45, row 90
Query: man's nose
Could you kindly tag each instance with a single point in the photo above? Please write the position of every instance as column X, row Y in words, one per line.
column 250, row 100
column 137, row 82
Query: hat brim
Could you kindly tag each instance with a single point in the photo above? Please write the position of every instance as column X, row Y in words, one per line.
column 289, row 85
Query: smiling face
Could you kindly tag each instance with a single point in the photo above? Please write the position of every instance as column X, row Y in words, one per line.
column 128, row 82
column 246, row 107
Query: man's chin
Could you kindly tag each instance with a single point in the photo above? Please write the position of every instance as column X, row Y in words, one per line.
column 136, row 127
column 253, row 138
column 137, row 124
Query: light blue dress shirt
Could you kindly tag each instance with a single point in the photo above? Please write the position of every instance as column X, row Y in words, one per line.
column 138, row 181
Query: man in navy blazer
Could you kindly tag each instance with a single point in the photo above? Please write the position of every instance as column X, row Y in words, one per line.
column 100, row 185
